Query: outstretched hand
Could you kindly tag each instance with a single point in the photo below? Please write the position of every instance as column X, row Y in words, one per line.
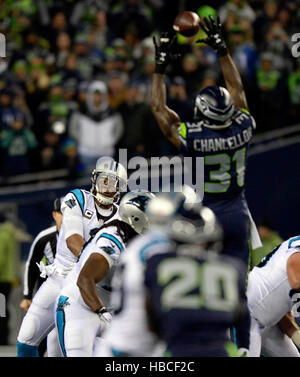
column 164, row 51
column 213, row 29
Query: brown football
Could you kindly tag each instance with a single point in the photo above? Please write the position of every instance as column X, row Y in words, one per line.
column 187, row 23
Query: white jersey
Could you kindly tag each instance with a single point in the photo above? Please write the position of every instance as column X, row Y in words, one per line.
column 128, row 332
column 269, row 291
column 82, row 204
column 108, row 243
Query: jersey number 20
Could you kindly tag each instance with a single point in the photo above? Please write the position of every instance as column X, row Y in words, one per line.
column 215, row 283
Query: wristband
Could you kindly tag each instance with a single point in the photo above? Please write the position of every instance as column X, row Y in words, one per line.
column 160, row 68
column 222, row 51
column 101, row 310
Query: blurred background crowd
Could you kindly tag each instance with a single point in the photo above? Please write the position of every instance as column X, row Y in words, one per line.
column 77, row 74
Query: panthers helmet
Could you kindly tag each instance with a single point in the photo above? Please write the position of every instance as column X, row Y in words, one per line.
column 133, row 207
column 182, row 221
column 214, row 106
column 109, row 179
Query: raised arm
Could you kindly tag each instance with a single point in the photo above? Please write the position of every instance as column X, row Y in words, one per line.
column 230, row 72
column 167, row 119
column 234, row 82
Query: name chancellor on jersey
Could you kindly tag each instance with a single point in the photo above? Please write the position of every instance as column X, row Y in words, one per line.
column 221, row 144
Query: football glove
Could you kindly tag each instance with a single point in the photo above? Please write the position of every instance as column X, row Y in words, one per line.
column 51, row 269
column 215, row 39
column 163, row 51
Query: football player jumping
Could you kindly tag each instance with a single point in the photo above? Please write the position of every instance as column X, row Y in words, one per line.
column 221, row 134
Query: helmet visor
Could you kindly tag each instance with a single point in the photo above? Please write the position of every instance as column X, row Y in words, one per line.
column 107, row 184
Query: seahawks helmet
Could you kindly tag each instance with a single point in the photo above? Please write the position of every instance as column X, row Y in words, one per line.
column 109, row 178
column 214, row 106
column 133, row 207
column 183, row 221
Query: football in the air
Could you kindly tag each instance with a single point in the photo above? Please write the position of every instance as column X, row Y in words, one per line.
column 187, row 23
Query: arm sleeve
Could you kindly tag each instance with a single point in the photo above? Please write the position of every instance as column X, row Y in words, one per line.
column 31, row 273
column 253, row 123
column 183, row 136
column 72, row 216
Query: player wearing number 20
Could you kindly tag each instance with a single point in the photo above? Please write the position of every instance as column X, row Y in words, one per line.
column 220, row 133
column 193, row 293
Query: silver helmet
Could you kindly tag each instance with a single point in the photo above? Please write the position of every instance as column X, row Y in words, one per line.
column 109, row 179
column 133, row 207
column 183, row 221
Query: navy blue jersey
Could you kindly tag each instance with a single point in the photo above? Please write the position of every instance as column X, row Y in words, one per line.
column 194, row 300
column 224, row 152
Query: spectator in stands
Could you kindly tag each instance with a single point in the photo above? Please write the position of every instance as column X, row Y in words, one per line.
column 276, row 42
column 192, row 74
column 69, row 70
column 50, row 156
column 63, row 49
column 240, row 8
column 56, row 112
column 70, row 158
column 269, row 238
column 133, row 13
column 270, row 94
column 7, row 110
column 8, row 249
column 84, row 64
column 139, row 127
column 38, row 84
column 243, row 52
column 178, row 99
column 264, row 19
column 17, row 145
column 20, row 74
column 58, row 25
column 96, row 127
column 116, row 90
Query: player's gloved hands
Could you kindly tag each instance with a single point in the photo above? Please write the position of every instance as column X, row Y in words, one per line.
column 51, row 269
column 104, row 314
column 105, row 318
column 215, row 39
column 243, row 352
column 163, row 51
column 46, row 270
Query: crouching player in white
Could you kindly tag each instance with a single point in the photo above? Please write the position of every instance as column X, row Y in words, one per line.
column 82, row 309
column 272, row 292
column 83, row 212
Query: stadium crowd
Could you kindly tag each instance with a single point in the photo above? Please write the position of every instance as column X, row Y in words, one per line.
column 75, row 82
